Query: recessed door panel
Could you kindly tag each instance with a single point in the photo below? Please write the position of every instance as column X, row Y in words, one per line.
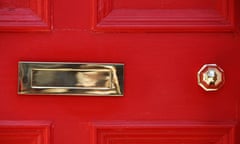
column 155, row 133
column 150, row 16
column 25, row 15
column 25, row 132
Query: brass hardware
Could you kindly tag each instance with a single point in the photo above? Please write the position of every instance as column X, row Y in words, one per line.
column 211, row 77
column 70, row 78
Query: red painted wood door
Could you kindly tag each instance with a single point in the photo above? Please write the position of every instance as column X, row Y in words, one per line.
column 163, row 44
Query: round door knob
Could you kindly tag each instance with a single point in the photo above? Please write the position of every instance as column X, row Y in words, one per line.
column 210, row 77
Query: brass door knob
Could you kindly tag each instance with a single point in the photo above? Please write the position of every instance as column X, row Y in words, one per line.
column 210, row 77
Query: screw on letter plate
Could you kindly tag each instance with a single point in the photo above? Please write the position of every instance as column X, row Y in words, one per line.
column 210, row 77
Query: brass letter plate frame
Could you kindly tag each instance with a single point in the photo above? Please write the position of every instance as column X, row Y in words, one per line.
column 60, row 78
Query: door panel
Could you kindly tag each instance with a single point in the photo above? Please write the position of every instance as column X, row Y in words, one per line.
column 155, row 133
column 25, row 15
column 25, row 132
column 153, row 16
column 160, row 76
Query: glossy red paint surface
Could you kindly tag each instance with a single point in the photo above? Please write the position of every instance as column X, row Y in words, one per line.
column 160, row 73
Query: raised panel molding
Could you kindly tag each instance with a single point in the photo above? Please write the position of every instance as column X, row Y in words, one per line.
column 219, row 17
column 159, row 133
column 27, row 15
column 25, row 132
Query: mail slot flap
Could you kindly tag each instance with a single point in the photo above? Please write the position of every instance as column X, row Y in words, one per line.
column 70, row 78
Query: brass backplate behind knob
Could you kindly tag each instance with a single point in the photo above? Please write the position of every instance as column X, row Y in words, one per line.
column 210, row 77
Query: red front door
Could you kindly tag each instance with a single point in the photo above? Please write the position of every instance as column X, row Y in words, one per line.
column 163, row 44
